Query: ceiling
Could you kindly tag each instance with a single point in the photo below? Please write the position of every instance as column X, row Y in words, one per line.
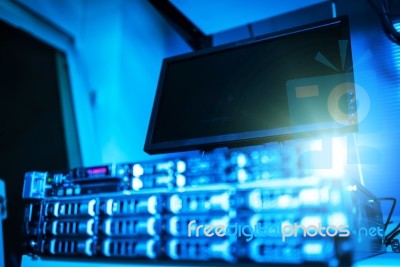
column 213, row 16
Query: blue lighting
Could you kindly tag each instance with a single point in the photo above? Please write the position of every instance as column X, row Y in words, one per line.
column 215, row 16
column 397, row 26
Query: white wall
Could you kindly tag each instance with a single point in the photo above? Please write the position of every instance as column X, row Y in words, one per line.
column 122, row 44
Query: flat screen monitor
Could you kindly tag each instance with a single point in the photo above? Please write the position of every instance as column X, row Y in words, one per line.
column 294, row 83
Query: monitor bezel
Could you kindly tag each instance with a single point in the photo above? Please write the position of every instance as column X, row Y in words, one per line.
column 244, row 138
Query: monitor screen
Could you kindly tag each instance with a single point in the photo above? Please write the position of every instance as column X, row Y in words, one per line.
column 294, row 83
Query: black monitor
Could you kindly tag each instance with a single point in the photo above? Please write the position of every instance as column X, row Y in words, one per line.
column 295, row 83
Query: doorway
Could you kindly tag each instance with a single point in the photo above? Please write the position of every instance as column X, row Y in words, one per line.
column 32, row 121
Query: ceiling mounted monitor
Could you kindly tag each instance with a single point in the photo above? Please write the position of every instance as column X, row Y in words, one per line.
column 292, row 84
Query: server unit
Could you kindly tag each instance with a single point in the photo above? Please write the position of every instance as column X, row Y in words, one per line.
column 253, row 205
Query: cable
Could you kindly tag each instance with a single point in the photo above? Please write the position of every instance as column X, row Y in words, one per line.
column 383, row 10
column 392, row 235
column 390, row 212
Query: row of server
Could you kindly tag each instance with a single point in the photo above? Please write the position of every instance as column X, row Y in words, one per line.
column 253, row 205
